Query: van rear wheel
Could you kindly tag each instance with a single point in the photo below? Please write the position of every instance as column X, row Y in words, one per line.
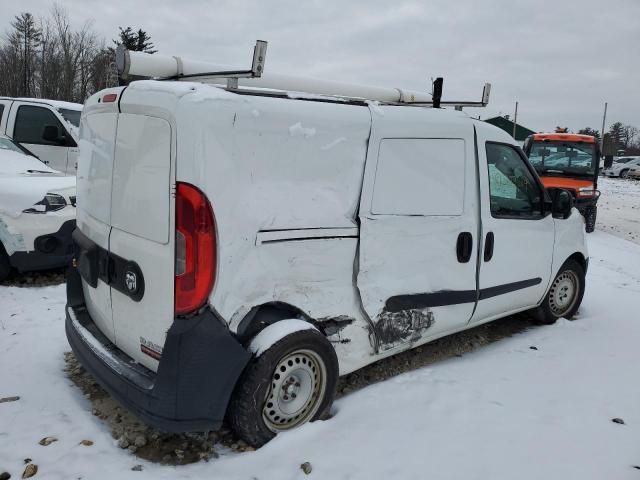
column 289, row 384
column 564, row 296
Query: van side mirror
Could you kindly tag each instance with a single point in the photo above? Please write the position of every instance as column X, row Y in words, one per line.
column 52, row 134
column 561, row 203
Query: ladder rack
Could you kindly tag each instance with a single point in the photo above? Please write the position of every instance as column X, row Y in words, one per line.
column 162, row 67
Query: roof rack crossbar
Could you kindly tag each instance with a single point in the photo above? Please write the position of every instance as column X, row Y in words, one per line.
column 160, row 67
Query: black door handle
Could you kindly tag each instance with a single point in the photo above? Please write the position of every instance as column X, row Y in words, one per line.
column 488, row 247
column 464, row 247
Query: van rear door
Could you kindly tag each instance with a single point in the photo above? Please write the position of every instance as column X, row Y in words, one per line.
column 126, row 222
column 418, row 226
column 93, row 214
column 141, row 242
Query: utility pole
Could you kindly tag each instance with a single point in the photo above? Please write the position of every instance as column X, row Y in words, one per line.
column 604, row 117
column 515, row 120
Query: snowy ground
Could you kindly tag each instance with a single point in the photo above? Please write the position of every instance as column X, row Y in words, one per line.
column 619, row 208
column 504, row 411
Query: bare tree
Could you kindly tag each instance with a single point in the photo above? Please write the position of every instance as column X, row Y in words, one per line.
column 26, row 35
column 51, row 58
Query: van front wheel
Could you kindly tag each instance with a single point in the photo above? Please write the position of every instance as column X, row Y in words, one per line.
column 564, row 296
column 289, row 384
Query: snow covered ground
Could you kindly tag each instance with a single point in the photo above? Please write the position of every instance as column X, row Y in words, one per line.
column 504, row 411
column 619, row 208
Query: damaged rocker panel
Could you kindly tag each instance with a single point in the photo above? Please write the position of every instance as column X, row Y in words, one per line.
column 402, row 327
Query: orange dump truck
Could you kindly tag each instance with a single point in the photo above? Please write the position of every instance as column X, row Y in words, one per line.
column 569, row 161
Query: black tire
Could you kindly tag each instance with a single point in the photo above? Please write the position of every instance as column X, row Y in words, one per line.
column 5, row 266
column 551, row 309
column 624, row 173
column 248, row 406
column 590, row 215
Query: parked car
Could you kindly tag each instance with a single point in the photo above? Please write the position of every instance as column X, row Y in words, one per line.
column 634, row 172
column 621, row 167
column 261, row 245
column 37, row 212
column 48, row 128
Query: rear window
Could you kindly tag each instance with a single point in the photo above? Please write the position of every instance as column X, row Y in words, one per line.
column 71, row 116
column 419, row 176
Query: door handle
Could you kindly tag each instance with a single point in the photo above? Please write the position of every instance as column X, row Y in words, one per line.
column 464, row 246
column 488, row 247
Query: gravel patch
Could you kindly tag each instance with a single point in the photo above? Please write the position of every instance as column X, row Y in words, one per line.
column 179, row 449
column 43, row 278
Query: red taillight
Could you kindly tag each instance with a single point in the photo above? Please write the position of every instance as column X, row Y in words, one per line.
column 195, row 249
column 109, row 97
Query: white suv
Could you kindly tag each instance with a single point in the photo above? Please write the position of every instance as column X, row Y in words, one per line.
column 238, row 251
column 37, row 212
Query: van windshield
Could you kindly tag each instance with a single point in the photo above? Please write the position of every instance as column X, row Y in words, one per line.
column 72, row 116
column 563, row 157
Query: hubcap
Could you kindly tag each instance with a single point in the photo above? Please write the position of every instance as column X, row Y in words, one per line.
column 563, row 293
column 297, row 387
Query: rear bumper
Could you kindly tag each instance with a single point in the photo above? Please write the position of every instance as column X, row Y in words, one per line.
column 51, row 250
column 200, row 365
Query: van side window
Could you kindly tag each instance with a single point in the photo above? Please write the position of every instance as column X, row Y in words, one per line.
column 419, row 176
column 30, row 123
column 514, row 191
column 1, row 111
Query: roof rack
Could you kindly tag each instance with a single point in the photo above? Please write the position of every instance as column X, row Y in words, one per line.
column 162, row 67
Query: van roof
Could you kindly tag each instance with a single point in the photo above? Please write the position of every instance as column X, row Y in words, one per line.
column 53, row 103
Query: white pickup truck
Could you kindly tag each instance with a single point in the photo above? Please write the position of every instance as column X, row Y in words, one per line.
column 37, row 212
column 48, row 128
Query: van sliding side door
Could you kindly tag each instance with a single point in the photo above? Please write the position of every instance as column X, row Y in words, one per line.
column 419, row 227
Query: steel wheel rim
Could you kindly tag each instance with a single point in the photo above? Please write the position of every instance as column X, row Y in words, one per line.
column 298, row 385
column 564, row 293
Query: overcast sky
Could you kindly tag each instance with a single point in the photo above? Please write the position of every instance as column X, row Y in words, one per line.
column 561, row 59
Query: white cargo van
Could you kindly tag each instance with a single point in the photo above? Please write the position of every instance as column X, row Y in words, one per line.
column 237, row 250
column 48, row 128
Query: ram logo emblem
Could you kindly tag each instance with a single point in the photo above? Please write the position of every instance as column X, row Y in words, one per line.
column 131, row 281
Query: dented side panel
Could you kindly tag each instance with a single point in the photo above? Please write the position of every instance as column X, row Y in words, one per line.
column 408, row 236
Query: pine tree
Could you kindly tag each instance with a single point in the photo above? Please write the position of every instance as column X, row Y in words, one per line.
column 27, row 35
column 589, row 131
column 139, row 41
